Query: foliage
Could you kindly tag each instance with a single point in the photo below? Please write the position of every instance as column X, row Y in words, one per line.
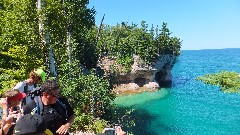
column 122, row 116
column 71, row 18
column 6, row 82
column 68, row 28
column 23, row 47
column 97, row 126
column 123, row 41
column 89, row 94
column 228, row 81
column 167, row 44
column 19, row 48
column 88, row 123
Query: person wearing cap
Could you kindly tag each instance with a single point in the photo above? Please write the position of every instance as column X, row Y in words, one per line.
column 36, row 76
column 11, row 98
column 31, row 125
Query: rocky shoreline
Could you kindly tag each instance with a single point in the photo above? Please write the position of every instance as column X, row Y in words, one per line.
column 132, row 88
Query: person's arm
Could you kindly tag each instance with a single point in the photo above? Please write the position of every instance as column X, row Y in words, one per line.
column 5, row 128
column 64, row 128
column 20, row 86
column 70, row 120
column 70, row 113
column 4, row 104
column 7, row 121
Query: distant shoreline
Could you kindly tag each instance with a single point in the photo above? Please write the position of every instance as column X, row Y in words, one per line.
column 210, row 49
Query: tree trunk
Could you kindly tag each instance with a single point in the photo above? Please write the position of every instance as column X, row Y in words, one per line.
column 69, row 50
column 53, row 68
column 43, row 39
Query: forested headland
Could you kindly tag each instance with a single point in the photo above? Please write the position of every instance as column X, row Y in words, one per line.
column 62, row 38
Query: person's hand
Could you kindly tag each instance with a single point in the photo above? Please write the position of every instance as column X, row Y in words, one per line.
column 119, row 131
column 63, row 129
column 4, row 103
column 9, row 119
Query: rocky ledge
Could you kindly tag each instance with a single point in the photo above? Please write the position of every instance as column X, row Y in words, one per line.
column 142, row 77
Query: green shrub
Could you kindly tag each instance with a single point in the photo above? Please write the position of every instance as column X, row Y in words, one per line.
column 228, row 81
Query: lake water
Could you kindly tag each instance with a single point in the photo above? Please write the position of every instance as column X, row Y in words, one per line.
column 189, row 107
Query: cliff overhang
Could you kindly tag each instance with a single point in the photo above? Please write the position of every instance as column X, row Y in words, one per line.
column 142, row 77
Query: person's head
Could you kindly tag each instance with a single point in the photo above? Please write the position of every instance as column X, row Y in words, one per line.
column 50, row 91
column 14, row 97
column 37, row 75
column 30, row 125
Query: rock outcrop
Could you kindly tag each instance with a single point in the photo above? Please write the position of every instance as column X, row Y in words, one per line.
column 142, row 77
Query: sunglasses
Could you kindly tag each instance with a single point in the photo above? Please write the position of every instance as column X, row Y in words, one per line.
column 54, row 95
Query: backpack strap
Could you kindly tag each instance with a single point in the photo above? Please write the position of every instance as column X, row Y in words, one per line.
column 24, row 102
column 25, row 90
column 39, row 106
column 38, row 100
column 63, row 106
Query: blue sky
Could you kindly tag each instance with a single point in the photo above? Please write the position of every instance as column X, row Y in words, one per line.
column 201, row 24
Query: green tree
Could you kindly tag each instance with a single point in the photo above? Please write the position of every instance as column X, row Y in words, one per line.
column 123, row 41
column 19, row 48
column 65, row 27
column 167, row 44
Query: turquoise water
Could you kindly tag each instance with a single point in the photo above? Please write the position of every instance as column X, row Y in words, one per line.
column 189, row 107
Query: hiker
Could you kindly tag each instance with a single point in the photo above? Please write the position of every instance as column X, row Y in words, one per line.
column 36, row 76
column 11, row 98
column 56, row 111
column 30, row 125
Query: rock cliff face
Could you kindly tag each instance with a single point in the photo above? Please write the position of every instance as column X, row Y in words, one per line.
column 164, row 64
column 142, row 77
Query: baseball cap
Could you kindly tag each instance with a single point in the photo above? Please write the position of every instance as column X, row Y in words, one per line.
column 19, row 96
column 41, row 74
column 30, row 124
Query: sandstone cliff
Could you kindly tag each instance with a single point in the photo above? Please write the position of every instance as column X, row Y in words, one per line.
column 141, row 77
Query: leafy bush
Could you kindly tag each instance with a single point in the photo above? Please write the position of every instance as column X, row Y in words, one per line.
column 88, row 94
column 9, row 77
column 228, row 81
column 85, row 122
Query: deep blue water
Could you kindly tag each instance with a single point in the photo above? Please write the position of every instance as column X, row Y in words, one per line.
column 190, row 107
